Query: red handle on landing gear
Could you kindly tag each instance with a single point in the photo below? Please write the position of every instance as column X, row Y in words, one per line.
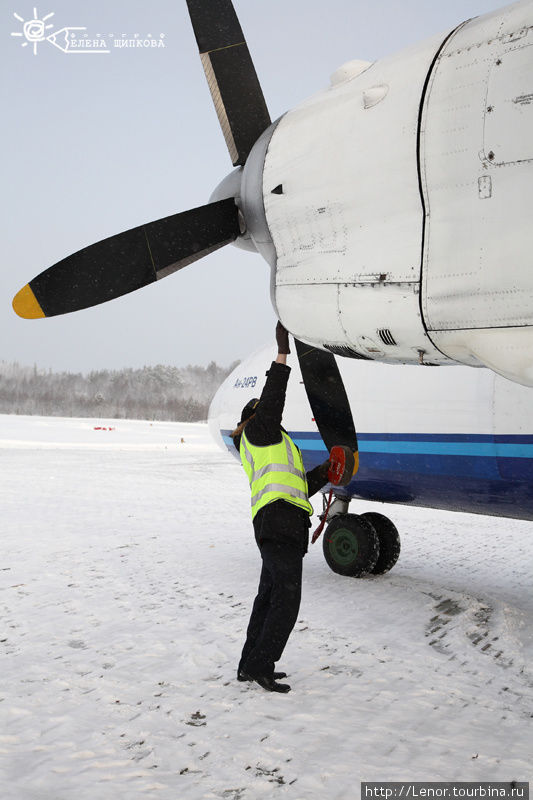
column 320, row 528
column 343, row 464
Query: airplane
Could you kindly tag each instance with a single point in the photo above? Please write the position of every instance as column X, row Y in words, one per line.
column 392, row 208
column 457, row 439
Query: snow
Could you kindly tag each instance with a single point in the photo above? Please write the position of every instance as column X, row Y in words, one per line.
column 126, row 579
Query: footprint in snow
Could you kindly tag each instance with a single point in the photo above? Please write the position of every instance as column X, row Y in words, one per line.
column 197, row 720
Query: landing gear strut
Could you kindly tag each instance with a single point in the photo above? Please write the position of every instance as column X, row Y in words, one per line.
column 359, row 544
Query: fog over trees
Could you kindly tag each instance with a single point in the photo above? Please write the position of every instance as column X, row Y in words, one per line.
column 167, row 393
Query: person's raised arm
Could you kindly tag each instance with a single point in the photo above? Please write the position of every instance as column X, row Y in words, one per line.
column 264, row 428
column 282, row 338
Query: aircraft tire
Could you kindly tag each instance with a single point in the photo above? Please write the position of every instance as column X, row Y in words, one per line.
column 351, row 545
column 389, row 542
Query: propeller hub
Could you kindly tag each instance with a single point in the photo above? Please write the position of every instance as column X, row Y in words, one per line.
column 245, row 186
column 230, row 187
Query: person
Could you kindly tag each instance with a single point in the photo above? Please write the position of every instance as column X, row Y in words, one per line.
column 281, row 519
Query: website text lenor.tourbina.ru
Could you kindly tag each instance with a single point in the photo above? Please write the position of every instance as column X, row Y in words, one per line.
column 513, row 790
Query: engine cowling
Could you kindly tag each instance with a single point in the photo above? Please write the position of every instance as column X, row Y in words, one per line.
column 396, row 204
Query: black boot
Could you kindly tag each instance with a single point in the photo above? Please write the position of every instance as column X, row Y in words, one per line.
column 242, row 676
column 267, row 682
column 270, row 684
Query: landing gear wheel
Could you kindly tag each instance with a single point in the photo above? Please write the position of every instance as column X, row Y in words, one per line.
column 389, row 542
column 351, row 545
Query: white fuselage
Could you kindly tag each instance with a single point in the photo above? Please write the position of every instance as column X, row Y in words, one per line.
column 460, row 439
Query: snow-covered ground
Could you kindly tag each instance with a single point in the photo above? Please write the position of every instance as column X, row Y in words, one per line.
column 127, row 572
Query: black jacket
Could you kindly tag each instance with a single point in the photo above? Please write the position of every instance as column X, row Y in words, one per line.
column 279, row 520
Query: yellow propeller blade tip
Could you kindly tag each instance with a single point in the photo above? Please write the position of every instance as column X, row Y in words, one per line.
column 25, row 304
column 356, row 459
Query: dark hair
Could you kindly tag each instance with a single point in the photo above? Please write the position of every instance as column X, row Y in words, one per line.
column 239, row 429
column 249, row 409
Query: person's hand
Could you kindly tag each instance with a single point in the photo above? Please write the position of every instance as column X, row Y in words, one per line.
column 282, row 338
column 324, row 469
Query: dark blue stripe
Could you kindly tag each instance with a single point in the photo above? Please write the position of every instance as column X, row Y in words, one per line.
column 443, row 437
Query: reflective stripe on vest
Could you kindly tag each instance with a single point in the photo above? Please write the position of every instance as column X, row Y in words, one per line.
column 275, row 472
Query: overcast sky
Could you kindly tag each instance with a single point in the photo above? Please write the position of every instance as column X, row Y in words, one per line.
column 96, row 144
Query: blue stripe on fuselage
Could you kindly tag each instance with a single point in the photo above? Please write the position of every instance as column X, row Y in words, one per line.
column 450, row 448
column 464, row 472
column 421, row 444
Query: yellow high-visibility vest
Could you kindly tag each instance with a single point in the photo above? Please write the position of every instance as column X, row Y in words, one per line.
column 275, row 472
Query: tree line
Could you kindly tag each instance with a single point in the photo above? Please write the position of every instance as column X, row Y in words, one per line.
column 181, row 394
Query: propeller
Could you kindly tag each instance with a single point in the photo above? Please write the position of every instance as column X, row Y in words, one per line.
column 327, row 397
column 231, row 75
column 130, row 260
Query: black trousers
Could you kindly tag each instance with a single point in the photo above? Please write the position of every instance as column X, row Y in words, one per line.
column 276, row 606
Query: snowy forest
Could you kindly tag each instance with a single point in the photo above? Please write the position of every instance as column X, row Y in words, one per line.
column 180, row 394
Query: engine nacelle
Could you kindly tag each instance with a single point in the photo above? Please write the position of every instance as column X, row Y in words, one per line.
column 397, row 204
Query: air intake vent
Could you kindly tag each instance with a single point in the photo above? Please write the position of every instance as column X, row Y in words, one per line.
column 346, row 352
column 386, row 337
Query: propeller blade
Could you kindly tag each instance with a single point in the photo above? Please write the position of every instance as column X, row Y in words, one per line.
column 231, row 75
column 128, row 261
column 327, row 397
